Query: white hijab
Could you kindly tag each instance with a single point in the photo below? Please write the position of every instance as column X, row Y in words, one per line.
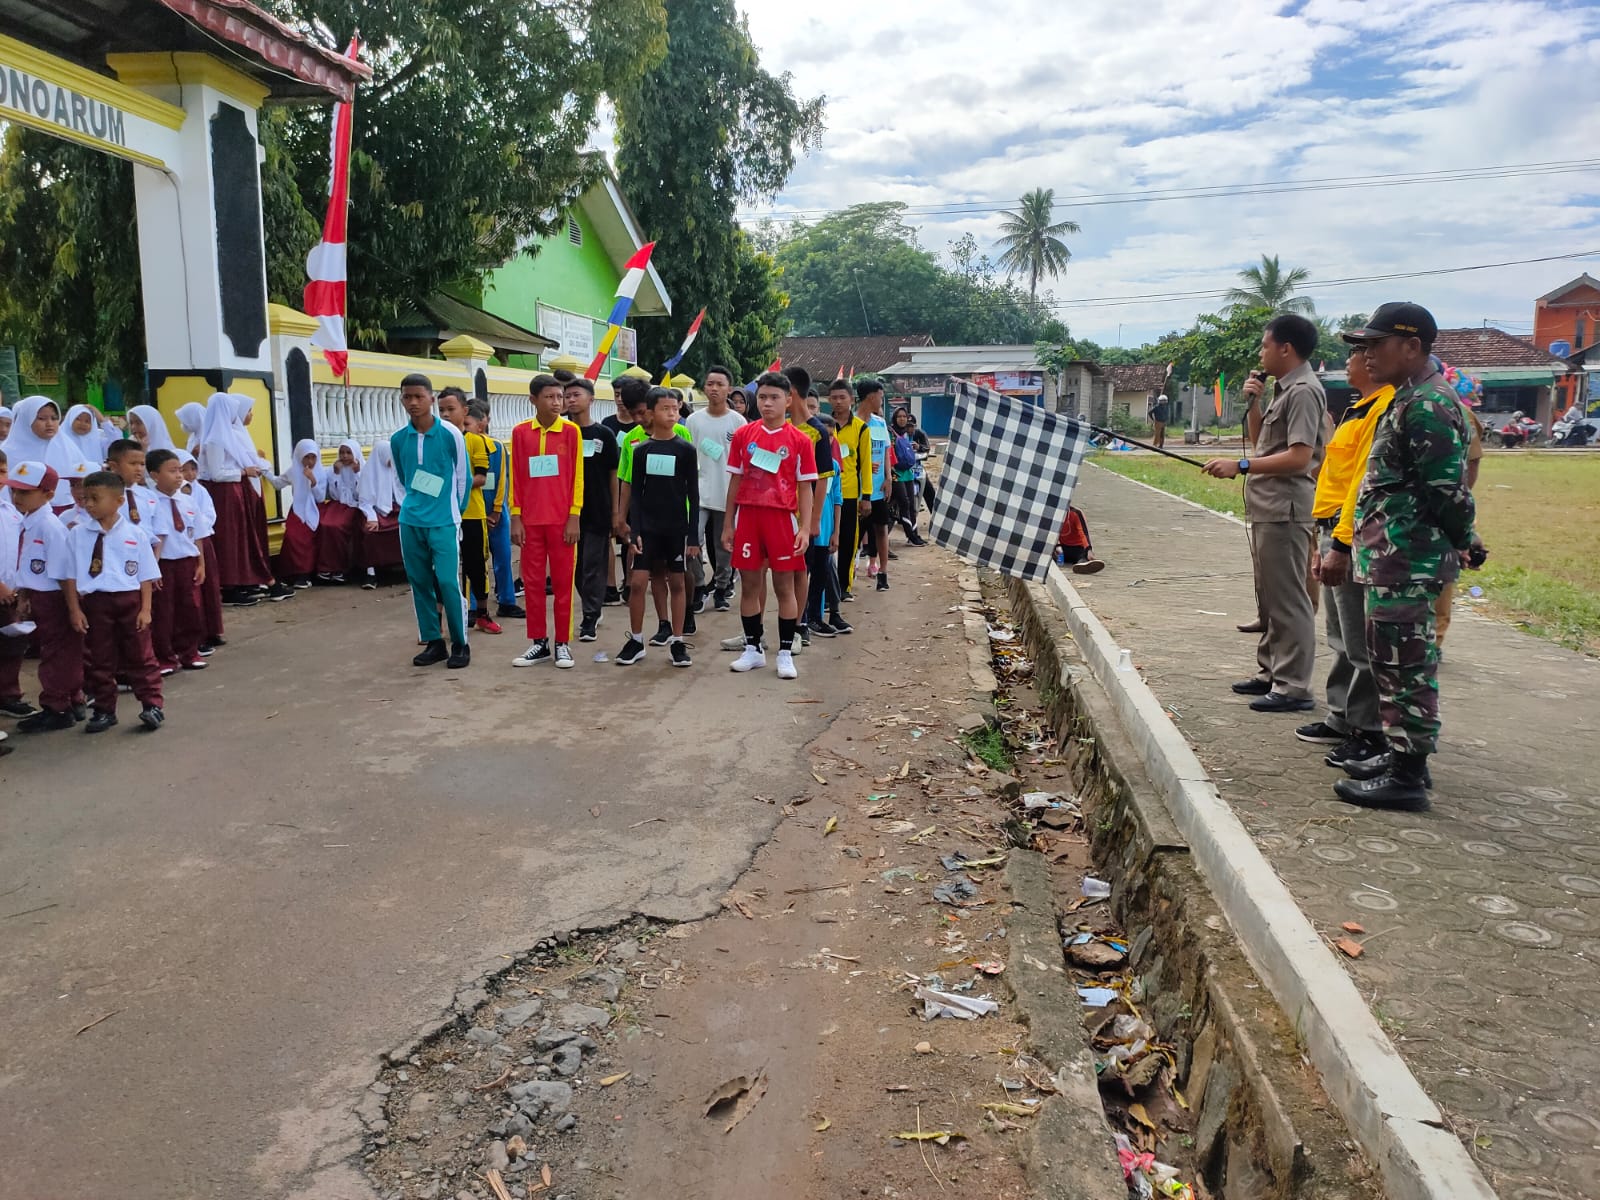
column 381, row 491
column 157, row 435
column 223, row 435
column 191, row 417
column 344, row 484
column 22, row 444
column 306, row 493
column 92, row 445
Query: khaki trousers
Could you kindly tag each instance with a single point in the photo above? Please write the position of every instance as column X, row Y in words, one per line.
column 1286, row 653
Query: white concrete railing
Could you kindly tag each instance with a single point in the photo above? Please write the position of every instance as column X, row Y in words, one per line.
column 369, row 413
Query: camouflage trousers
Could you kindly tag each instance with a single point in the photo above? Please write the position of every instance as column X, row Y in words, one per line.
column 1405, row 664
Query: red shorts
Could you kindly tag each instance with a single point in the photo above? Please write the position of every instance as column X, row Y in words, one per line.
column 764, row 537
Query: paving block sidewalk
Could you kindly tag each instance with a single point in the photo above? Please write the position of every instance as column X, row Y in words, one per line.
column 1483, row 915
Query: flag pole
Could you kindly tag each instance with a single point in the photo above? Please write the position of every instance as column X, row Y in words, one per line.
column 1193, row 462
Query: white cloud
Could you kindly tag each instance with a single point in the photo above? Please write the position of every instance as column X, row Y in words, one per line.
column 935, row 103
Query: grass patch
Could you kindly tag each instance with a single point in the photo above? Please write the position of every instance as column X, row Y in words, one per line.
column 1534, row 514
column 989, row 746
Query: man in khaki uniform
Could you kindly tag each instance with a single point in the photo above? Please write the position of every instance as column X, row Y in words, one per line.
column 1279, row 494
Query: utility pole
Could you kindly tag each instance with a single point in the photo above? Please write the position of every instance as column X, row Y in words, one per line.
column 856, row 277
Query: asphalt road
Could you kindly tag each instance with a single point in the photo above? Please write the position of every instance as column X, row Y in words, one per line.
column 318, row 848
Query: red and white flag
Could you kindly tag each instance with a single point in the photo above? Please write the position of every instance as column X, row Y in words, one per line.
column 325, row 265
column 694, row 332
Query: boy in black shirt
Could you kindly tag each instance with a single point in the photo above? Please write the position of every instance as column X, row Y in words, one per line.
column 600, row 459
column 664, row 515
column 620, row 424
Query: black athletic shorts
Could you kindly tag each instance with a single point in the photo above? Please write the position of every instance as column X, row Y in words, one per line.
column 881, row 516
column 661, row 552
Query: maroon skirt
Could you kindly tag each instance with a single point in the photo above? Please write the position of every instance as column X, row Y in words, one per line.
column 240, row 535
column 380, row 548
column 339, row 538
column 298, row 554
column 211, row 594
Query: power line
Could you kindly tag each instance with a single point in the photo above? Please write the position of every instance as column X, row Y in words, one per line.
column 1221, row 191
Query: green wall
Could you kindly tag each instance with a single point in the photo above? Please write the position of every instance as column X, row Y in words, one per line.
column 554, row 272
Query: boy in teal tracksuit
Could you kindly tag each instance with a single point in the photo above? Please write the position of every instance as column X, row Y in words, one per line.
column 431, row 459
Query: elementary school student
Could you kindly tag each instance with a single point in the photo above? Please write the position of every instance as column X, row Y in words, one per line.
column 210, row 587
column 769, row 520
column 12, row 649
column 42, row 541
column 381, row 494
column 339, row 533
column 307, row 481
column 125, row 459
column 108, row 578
column 547, row 503
column 176, row 625
column 664, row 513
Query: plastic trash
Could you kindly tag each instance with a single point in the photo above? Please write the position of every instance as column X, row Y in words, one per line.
column 1124, row 660
column 955, row 891
column 601, row 656
column 1095, row 889
column 1039, row 800
column 1475, row 592
column 946, row 1004
column 1096, row 997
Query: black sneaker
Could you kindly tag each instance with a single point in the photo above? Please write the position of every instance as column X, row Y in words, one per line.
column 689, row 627
column 720, row 602
column 805, row 634
column 883, row 581
column 100, row 722
column 632, row 651
column 662, row 635
column 151, row 717
column 17, row 708
column 821, row 629
column 433, row 652
column 587, row 632
column 511, row 612
column 1356, row 749
column 538, row 652
column 241, row 599
column 1252, row 687
column 840, row 626
column 564, row 659
column 44, row 721
column 280, row 591
column 1277, row 702
column 848, row 597
column 80, row 712
column 699, row 604
column 460, row 656
column 613, row 597
column 206, row 649
column 370, row 583
column 680, row 654
column 1320, row 733
column 893, row 557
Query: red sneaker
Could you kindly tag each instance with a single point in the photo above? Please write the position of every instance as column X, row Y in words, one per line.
column 487, row 624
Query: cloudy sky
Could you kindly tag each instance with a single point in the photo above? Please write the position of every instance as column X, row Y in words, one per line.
column 934, row 102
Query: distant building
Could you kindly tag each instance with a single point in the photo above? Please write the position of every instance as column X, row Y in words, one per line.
column 825, row 357
column 922, row 373
column 1566, row 323
column 1132, row 385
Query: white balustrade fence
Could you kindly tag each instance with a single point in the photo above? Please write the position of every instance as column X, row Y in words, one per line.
column 370, row 413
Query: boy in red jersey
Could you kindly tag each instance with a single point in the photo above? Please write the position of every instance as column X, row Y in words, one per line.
column 546, row 500
column 770, row 497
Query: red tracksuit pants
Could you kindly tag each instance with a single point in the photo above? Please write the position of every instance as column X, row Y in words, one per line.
column 60, row 652
column 545, row 549
column 116, row 643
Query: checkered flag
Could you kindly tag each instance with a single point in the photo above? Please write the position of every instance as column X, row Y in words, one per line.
column 1007, row 479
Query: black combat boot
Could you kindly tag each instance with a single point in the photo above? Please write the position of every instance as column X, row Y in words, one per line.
column 1403, row 787
column 1373, row 768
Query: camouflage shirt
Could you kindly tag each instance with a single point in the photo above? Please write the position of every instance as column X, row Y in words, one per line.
column 1414, row 511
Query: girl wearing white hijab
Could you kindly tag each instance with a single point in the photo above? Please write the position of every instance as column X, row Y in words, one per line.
column 380, row 497
column 87, row 426
column 149, row 428
column 191, row 417
column 307, row 481
column 339, row 535
column 35, row 437
column 230, row 469
column 205, row 538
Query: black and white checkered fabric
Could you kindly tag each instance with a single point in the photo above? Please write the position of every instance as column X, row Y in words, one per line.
column 1007, row 479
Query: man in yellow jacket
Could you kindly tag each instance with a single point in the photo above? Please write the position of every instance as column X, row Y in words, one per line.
column 1352, row 726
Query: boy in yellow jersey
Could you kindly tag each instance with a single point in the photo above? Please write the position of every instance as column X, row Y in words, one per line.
column 855, row 476
column 474, row 517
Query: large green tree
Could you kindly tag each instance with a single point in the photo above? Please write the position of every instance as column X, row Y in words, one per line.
column 760, row 310
column 861, row 270
column 1272, row 287
column 1030, row 239
column 703, row 131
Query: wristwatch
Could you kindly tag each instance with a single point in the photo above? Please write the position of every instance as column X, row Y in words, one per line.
column 1244, row 466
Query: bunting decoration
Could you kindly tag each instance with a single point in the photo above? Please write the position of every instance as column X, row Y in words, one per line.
column 325, row 265
column 632, row 276
column 694, row 332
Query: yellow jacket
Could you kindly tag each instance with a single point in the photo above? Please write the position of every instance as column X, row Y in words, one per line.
column 1344, row 463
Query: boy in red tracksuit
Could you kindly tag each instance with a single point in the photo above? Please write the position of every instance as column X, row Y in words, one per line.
column 546, row 500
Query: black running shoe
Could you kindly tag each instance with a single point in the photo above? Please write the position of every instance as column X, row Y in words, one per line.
column 662, row 635
column 632, row 651
column 680, row 654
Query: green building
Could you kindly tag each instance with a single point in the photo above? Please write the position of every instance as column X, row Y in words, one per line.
column 563, row 286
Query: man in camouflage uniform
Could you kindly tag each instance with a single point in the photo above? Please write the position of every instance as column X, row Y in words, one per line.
column 1413, row 521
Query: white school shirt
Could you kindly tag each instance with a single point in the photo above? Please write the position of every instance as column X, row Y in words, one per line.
column 176, row 543
column 10, row 533
column 44, row 542
column 76, row 515
column 145, row 498
column 127, row 558
column 205, row 506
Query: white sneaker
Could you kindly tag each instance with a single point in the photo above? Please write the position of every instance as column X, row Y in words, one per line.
column 786, row 665
column 752, row 660
column 564, row 660
column 795, row 646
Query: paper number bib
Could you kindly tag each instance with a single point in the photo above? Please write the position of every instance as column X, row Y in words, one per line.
column 711, row 448
column 660, row 464
column 543, row 466
column 767, row 460
column 427, row 482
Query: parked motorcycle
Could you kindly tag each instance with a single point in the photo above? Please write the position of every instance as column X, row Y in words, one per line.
column 1519, row 431
column 1578, row 432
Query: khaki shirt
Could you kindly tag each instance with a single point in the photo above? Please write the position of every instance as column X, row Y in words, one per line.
column 1297, row 416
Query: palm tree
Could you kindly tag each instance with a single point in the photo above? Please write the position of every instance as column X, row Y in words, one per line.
column 1270, row 286
column 1031, row 242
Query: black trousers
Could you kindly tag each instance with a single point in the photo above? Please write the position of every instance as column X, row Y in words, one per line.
column 475, row 562
column 849, row 539
column 823, row 589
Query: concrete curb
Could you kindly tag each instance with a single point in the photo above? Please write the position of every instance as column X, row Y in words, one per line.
column 1398, row 1126
column 1071, row 1153
column 979, row 665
